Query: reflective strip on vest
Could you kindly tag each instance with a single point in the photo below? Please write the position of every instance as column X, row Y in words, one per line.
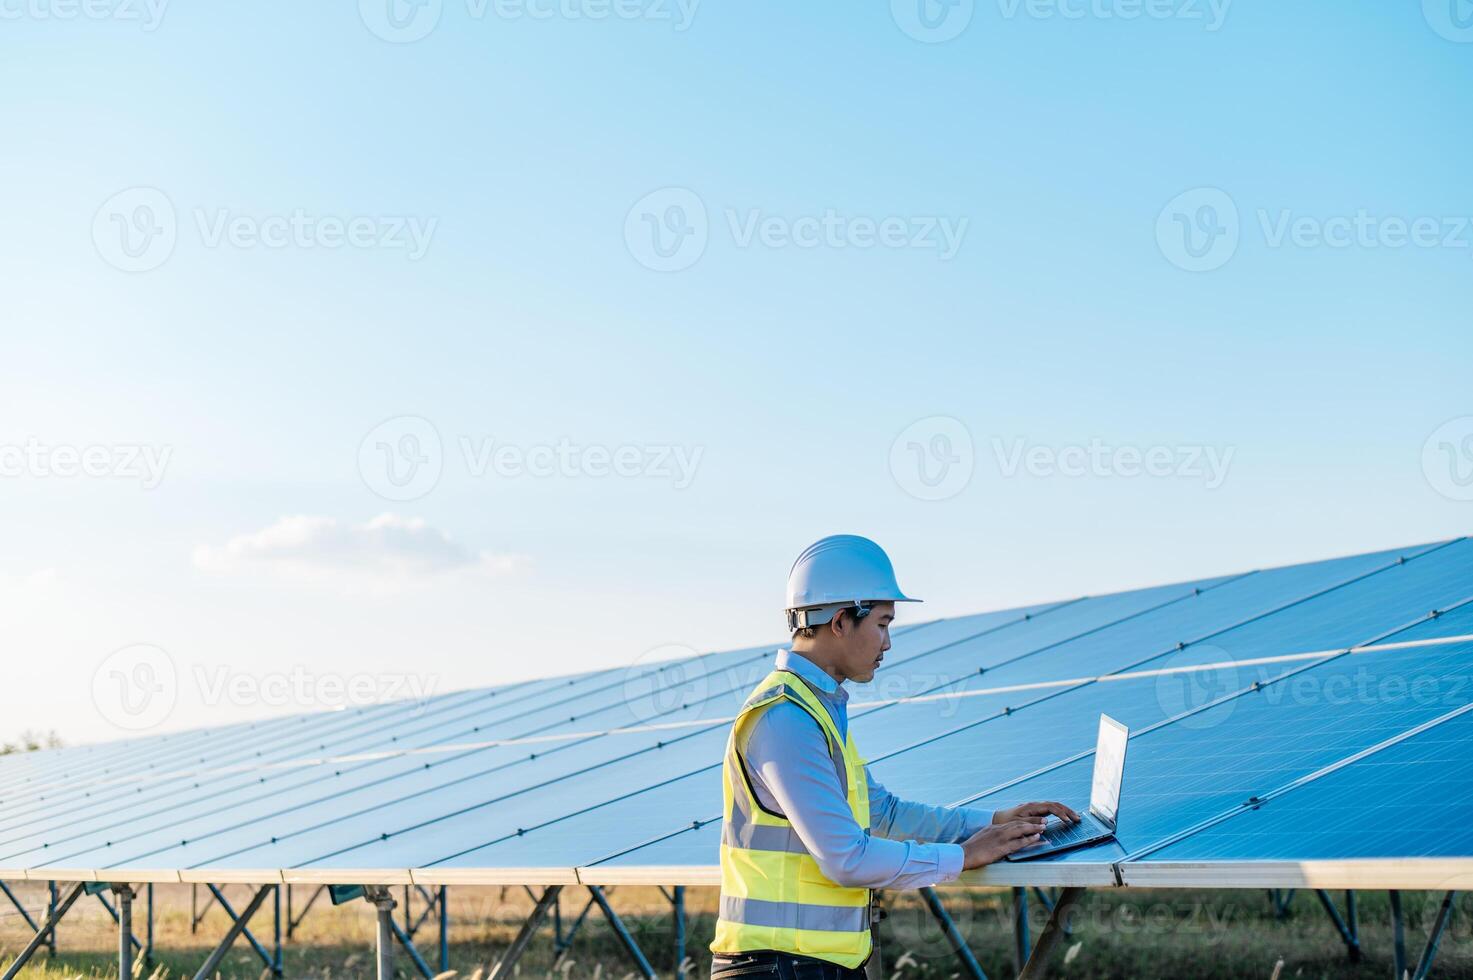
column 791, row 915
column 739, row 831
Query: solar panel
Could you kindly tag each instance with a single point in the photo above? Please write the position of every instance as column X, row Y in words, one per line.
column 613, row 775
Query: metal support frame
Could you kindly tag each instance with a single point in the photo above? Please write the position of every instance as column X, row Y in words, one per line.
column 504, row 966
column 126, row 942
column 51, row 899
column 677, row 911
column 390, row 932
column 1021, row 942
column 625, row 938
column 116, row 915
column 444, row 929
column 1347, row 927
column 277, row 954
column 237, row 928
column 197, row 914
column 148, row 934
column 563, row 940
column 1037, row 964
column 954, row 938
column 1398, row 937
column 292, row 921
column 261, row 951
column 18, row 906
column 48, row 928
column 1429, row 952
column 1282, row 899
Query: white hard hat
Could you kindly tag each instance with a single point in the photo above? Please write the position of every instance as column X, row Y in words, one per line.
column 842, row 571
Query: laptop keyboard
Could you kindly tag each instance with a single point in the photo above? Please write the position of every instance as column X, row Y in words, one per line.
column 1062, row 833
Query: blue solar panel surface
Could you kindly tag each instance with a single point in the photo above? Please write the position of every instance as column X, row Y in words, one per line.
column 1234, row 688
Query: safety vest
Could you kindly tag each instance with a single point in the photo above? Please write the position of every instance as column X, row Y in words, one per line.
column 773, row 895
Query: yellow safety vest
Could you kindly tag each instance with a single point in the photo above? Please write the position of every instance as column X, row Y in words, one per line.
column 773, row 895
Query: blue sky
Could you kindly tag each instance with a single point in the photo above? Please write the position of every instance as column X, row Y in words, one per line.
column 1063, row 144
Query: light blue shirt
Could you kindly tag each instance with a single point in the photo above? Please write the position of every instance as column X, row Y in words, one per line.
column 787, row 758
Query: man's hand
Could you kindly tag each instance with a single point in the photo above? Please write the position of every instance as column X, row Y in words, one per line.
column 998, row 841
column 1026, row 811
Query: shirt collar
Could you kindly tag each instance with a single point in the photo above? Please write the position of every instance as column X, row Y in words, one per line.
column 811, row 672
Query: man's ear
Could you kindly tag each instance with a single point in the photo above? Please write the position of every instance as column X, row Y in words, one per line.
column 838, row 625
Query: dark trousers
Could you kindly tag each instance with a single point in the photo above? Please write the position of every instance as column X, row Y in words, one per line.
column 766, row 965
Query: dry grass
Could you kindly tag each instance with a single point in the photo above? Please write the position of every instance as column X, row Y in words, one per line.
column 1118, row 935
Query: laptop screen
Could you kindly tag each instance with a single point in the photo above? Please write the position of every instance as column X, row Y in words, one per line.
column 1104, row 794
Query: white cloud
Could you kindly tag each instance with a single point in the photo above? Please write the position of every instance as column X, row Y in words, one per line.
column 387, row 552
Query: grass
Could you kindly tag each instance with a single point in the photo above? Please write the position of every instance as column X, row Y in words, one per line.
column 1126, row 935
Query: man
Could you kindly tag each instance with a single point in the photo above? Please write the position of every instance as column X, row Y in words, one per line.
column 807, row 833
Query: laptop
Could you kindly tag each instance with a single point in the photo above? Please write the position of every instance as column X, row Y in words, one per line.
column 1098, row 822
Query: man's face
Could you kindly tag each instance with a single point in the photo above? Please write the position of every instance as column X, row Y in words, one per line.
column 864, row 643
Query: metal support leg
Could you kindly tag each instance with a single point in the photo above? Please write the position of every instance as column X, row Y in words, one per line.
column 1398, row 938
column 384, row 903
column 50, row 909
column 1021, row 943
column 277, row 961
column 261, row 951
column 564, row 941
column 1352, row 919
column 444, row 929
column 113, row 914
column 1347, row 936
column 196, row 911
column 293, row 922
column 125, row 930
column 1037, row 964
column 508, row 961
column 47, row 928
column 678, row 913
column 217, row 956
column 958, row 944
column 148, row 935
column 18, row 906
column 625, row 939
column 1429, row 954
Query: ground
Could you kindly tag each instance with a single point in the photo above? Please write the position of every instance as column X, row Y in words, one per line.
column 1126, row 935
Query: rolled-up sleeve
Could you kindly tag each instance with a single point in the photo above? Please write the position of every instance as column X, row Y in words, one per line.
column 787, row 759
